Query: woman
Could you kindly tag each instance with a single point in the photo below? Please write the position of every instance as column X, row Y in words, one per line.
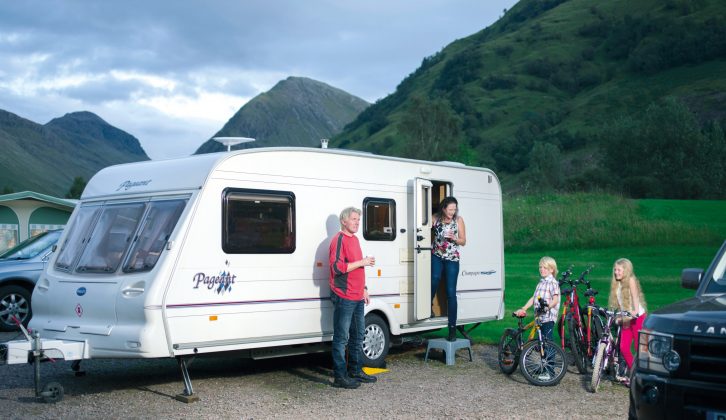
column 626, row 295
column 449, row 233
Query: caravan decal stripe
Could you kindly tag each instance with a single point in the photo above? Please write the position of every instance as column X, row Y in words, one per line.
column 478, row 290
column 315, row 299
column 246, row 302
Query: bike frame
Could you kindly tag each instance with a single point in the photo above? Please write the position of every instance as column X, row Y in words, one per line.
column 612, row 341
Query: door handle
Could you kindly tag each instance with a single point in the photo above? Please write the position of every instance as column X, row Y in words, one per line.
column 420, row 248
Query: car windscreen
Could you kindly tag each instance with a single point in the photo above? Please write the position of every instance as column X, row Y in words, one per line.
column 31, row 247
column 717, row 282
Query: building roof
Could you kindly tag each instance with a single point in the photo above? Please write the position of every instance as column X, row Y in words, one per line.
column 30, row 195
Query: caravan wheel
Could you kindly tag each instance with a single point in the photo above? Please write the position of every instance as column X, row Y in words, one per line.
column 376, row 341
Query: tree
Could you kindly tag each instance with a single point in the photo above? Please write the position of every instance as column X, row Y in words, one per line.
column 666, row 154
column 431, row 128
column 77, row 188
column 544, row 171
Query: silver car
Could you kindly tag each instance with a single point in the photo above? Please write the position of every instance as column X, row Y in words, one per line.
column 20, row 268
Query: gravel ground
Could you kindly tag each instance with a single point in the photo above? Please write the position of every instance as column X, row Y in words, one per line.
column 299, row 387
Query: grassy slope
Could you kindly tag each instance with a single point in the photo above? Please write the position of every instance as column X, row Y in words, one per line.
column 657, row 264
column 553, row 36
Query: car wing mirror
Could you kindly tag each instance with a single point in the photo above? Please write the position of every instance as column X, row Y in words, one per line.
column 691, row 278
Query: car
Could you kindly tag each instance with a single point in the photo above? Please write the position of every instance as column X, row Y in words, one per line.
column 680, row 369
column 20, row 268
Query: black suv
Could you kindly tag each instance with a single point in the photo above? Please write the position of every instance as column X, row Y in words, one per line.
column 20, row 268
column 680, row 370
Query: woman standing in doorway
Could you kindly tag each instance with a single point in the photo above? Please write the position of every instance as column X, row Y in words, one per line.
column 449, row 233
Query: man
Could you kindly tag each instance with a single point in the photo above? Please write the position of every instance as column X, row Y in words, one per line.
column 349, row 295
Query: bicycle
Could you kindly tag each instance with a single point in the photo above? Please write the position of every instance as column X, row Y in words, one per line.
column 608, row 350
column 594, row 324
column 540, row 361
column 570, row 327
column 578, row 328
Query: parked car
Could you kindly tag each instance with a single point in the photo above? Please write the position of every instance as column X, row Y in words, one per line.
column 20, row 268
column 680, row 370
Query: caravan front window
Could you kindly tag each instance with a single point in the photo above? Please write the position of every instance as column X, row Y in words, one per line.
column 258, row 222
column 77, row 237
column 111, row 235
column 155, row 231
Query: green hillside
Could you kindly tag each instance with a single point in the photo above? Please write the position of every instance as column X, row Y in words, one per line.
column 47, row 158
column 555, row 93
column 297, row 111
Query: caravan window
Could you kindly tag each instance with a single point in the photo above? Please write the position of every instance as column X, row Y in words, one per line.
column 154, row 234
column 110, row 237
column 258, row 222
column 77, row 237
column 379, row 219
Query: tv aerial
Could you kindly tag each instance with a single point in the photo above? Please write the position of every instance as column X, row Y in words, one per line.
column 232, row 141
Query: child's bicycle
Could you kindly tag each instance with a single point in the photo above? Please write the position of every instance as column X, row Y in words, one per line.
column 608, row 350
column 541, row 361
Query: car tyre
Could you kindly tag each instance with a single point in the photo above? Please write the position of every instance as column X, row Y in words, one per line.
column 14, row 301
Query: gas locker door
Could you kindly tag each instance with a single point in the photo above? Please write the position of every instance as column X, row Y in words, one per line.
column 422, row 248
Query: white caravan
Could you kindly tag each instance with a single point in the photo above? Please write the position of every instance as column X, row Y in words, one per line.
column 229, row 252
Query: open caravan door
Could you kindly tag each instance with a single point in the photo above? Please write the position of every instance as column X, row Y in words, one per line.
column 422, row 248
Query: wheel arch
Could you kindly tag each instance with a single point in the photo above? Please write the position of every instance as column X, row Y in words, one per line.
column 25, row 283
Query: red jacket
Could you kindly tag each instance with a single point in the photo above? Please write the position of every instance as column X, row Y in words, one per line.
column 345, row 249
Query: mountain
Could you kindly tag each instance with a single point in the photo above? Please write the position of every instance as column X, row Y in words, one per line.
column 555, row 93
column 296, row 112
column 46, row 158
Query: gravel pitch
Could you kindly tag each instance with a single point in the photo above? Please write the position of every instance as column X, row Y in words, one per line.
column 299, row 387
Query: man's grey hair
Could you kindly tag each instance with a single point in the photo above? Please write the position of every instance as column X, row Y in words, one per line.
column 345, row 214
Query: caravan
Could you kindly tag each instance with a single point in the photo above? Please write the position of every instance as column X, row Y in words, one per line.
column 229, row 252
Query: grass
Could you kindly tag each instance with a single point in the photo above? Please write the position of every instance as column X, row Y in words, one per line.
column 660, row 237
column 592, row 221
column 658, row 268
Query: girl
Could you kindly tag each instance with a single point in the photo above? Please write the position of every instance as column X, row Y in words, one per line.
column 449, row 233
column 626, row 295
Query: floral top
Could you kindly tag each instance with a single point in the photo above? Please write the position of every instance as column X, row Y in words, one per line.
column 443, row 247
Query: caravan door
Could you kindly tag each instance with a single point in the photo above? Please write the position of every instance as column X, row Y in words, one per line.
column 422, row 248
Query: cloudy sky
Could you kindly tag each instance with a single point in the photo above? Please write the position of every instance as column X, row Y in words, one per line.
column 171, row 73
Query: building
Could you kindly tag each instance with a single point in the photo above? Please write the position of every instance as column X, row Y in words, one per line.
column 26, row 214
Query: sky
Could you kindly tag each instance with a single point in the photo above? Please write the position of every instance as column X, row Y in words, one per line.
column 172, row 73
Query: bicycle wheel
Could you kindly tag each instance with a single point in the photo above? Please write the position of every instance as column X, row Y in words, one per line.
column 598, row 370
column 578, row 347
column 597, row 329
column 509, row 351
column 543, row 366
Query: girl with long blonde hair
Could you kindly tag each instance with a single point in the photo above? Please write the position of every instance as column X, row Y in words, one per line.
column 627, row 295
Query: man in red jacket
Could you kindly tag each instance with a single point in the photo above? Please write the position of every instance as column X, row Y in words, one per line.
column 349, row 295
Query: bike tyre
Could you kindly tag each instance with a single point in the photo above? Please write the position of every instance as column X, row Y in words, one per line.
column 578, row 347
column 596, row 333
column 508, row 356
column 598, row 369
column 531, row 363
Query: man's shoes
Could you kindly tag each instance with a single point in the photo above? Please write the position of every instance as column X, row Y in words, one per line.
column 452, row 334
column 363, row 377
column 347, row 383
